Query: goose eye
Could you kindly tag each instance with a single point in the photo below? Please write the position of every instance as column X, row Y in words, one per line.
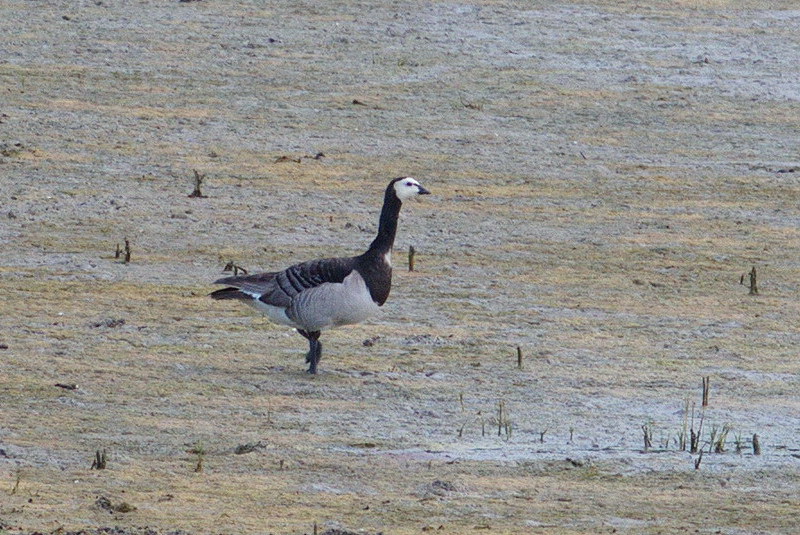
column 409, row 184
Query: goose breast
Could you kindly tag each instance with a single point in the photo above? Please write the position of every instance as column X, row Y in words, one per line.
column 333, row 304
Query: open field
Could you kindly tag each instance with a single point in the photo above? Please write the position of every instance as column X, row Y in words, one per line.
column 603, row 174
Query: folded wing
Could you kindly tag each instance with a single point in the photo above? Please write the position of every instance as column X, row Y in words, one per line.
column 280, row 288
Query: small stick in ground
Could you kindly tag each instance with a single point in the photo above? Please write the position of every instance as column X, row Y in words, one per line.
column 698, row 461
column 411, row 253
column 198, row 181
column 16, row 483
column 519, row 357
column 542, row 433
column 694, row 445
column 230, row 266
column 503, row 421
column 281, row 159
column 500, row 407
column 199, row 450
column 753, row 283
column 127, row 258
column 756, row 445
column 118, row 252
column 647, row 430
column 738, row 442
column 711, row 438
column 99, row 462
column 706, row 387
column 685, row 428
column 719, row 445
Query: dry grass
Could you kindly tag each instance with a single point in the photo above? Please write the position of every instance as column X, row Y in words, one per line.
column 596, row 206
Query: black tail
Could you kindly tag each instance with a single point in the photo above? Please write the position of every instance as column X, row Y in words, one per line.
column 229, row 293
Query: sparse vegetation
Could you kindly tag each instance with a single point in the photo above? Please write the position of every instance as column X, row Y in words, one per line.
column 752, row 281
column 647, row 432
column 17, row 480
column 738, row 443
column 249, row 447
column 503, row 420
column 694, row 442
column 610, row 171
column 721, row 439
column 684, row 432
column 198, row 182
column 199, row 451
column 542, row 433
column 125, row 254
column 698, row 460
column 235, row 269
column 100, row 460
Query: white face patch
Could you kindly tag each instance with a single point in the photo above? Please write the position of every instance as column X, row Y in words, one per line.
column 406, row 188
column 388, row 258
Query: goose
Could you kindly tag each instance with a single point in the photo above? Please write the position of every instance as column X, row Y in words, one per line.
column 320, row 294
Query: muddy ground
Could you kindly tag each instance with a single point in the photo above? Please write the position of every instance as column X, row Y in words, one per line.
column 603, row 175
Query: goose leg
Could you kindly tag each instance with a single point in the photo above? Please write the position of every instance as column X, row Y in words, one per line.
column 314, row 352
column 309, row 355
column 314, row 349
column 312, row 368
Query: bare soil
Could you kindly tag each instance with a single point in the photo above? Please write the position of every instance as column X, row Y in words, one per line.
column 603, row 173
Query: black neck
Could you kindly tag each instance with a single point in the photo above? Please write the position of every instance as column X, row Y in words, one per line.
column 387, row 227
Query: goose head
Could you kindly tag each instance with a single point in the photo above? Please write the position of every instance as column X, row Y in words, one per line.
column 406, row 187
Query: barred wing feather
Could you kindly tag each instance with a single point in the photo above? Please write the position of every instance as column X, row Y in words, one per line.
column 278, row 289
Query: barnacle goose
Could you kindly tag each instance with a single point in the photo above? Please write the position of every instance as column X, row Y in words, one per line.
column 320, row 294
